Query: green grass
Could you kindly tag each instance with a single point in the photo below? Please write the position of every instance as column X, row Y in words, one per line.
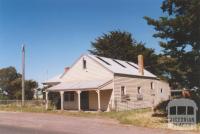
column 141, row 117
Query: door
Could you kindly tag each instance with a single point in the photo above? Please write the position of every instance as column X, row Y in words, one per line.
column 85, row 100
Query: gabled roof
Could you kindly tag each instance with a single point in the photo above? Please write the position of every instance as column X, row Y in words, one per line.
column 113, row 65
column 120, row 67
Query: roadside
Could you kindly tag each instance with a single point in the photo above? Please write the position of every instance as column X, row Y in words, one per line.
column 141, row 118
column 42, row 123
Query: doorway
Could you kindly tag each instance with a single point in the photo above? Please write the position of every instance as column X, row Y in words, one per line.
column 85, row 100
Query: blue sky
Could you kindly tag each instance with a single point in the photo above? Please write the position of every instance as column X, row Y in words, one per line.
column 56, row 32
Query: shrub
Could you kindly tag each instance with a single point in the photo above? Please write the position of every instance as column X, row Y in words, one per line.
column 160, row 109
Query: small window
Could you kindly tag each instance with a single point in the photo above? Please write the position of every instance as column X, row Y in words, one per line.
column 152, row 85
column 84, row 64
column 139, row 90
column 139, row 95
column 123, row 92
column 69, row 96
column 161, row 90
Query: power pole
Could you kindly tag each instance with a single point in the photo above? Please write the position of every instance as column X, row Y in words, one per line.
column 23, row 73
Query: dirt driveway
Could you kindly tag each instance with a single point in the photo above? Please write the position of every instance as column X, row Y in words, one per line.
column 38, row 123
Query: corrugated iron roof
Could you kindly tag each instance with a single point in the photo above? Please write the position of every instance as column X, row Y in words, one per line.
column 55, row 79
column 114, row 65
column 120, row 66
column 67, row 86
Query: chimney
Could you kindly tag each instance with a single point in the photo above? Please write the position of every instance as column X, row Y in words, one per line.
column 66, row 69
column 141, row 64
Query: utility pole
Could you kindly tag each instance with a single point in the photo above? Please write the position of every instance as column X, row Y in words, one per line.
column 23, row 73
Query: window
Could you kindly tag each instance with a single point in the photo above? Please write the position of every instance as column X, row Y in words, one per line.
column 69, row 96
column 152, row 85
column 123, row 92
column 124, row 97
column 161, row 90
column 139, row 90
column 139, row 95
column 84, row 64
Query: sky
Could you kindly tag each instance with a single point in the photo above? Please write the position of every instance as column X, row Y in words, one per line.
column 57, row 32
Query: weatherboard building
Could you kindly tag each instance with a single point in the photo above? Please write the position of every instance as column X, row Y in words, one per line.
column 104, row 84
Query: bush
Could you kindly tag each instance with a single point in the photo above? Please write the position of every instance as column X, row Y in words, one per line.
column 160, row 109
column 55, row 99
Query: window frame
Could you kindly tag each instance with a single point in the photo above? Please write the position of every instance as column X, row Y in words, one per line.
column 139, row 90
column 84, row 62
column 152, row 85
column 123, row 89
column 161, row 90
column 139, row 94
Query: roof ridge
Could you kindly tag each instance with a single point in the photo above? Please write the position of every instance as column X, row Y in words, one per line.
column 112, row 58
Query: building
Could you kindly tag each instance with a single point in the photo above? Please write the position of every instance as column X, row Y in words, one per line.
column 105, row 84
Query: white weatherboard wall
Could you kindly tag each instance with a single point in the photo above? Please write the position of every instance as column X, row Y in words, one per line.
column 166, row 91
column 94, row 71
column 131, row 84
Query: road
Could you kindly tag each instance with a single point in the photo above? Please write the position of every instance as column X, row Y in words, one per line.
column 40, row 123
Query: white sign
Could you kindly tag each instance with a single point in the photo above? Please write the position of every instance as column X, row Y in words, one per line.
column 182, row 114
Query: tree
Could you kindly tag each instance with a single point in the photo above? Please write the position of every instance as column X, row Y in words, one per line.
column 179, row 30
column 121, row 45
column 115, row 44
column 10, row 84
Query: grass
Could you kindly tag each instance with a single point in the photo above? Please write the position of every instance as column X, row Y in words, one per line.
column 141, row 117
column 16, row 108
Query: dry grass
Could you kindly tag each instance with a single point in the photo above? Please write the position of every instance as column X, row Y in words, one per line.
column 16, row 108
column 142, row 117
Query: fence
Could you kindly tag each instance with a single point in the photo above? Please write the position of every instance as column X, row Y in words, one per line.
column 26, row 102
column 129, row 105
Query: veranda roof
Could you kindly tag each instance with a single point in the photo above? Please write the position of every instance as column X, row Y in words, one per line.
column 81, row 85
column 56, row 79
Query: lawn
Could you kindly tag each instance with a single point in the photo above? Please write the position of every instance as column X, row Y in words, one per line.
column 141, row 117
